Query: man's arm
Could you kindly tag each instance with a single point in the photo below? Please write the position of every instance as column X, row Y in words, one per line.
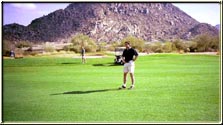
column 123, row 59
column 135, row 58
column 136, row 55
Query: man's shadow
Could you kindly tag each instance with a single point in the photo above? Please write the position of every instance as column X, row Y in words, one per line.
column 106, row 64
column 86, row 92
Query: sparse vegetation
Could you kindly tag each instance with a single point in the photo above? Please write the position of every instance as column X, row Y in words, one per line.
column 202, row 43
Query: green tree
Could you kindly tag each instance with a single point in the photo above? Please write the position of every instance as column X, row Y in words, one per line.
column 101, row 46
column 206, row 42
column 135, row 42
column 215, row 43
column 168, row 47
column 22, row 44
column 7, row 46
column 83, row 40
column 179, row 45
column 192, row 46
column 48, row 47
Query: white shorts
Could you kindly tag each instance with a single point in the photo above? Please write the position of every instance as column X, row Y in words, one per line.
column 129, row 67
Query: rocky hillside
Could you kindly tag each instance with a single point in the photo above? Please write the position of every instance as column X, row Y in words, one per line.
column 111, row 22
column 218, row 26
column 201, row 28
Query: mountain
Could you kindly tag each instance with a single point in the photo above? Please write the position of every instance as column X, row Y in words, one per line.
column 218, row 26
column 110, row 22
column 201, row 28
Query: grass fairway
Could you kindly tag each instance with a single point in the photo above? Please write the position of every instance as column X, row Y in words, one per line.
column 169, row 88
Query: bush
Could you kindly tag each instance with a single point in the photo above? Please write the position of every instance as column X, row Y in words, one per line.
column 83, row 40
column 68, row 48
column 48, row 47
column 113, row 45
column 101, row 46
column 214, row 43
column 156, row 47
column 26, row 53
column 168, row 47
column 7, row 46
column 23, row 44
column 18, row 53
column 135, row 42
column 192, row 46
column 207, row 42
column 179, row 45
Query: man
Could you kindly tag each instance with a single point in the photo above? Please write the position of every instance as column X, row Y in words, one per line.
column 129, row 56
column 12, row 54
column 83, row 54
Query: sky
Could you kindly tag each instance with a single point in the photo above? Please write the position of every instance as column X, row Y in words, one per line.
column 24, row 13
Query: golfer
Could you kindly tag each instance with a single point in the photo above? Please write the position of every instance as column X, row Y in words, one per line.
column 83, row 55
column 129, row 56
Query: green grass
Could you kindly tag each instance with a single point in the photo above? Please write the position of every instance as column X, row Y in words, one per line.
column 169, row 88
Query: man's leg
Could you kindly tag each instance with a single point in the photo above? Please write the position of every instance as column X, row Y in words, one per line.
column 131, row 69
column 125, row 70
column 132, row 78
column 84, row 60
column 124, row 78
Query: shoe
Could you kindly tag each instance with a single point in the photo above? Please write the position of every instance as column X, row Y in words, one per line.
column 122, row 87
column 131, row 87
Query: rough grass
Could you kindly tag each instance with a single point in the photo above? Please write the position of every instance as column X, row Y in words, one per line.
column 169, row 88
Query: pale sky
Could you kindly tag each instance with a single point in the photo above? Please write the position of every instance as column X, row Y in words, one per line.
column 202, row 12
column 24, row 13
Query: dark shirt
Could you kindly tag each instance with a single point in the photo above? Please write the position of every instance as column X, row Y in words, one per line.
column 82, row 52
column 129, row 53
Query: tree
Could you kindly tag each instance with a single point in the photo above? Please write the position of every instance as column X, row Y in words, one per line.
column 101, row 46
column 207, row 42
column 135, row 42
column 7, row 46
column 168, row 47
column 83, row 40
column 179, row 45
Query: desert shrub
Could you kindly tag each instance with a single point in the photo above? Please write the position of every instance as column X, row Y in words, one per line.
column 101, row 46
column 32, row 53
column 68, row 48
column 22, row 44
column 147, row 48
column 202, row 43
column 179, row 45
column 135, row 42
column 191, row 46
column 168, row 47
column 6, row 47
column 207, row 42
column 18, row 53
column 83, row 40
column 48, row 47
column 156, row 47
column 214, row 43
column 113, row 45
